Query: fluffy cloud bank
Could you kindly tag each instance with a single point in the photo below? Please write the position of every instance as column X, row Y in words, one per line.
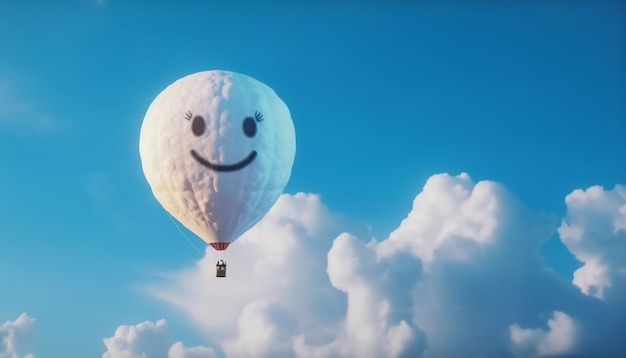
column 15, row 336
column 557, row 339
column 460, row 276
column 595, row 232
column 150, row 340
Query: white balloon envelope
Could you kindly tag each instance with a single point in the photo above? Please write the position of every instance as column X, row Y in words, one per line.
column 217, row 148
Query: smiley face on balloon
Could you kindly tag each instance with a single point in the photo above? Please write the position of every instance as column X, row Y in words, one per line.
column 217, row 148
column 249, row 128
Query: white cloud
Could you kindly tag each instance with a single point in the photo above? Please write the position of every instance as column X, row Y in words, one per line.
column 459, row 276
column 377, row 323
column 558, row 338
column 149, row 340
column 595, row 232
column 264, row 330
column 15, row 336
column 451, row 217
column 178, row 350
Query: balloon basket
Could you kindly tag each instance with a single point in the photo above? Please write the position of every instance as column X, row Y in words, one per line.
column 220, row 269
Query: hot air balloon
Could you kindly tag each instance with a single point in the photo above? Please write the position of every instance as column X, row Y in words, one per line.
column 217, row 148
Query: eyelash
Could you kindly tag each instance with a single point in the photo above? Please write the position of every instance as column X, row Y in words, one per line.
column 258, row 116
column 188, row 115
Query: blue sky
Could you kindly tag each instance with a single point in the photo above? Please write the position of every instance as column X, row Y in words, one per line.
column 383, row 96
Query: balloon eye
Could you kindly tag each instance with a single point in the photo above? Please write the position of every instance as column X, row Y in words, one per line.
column 198, row 126
column 249, row 127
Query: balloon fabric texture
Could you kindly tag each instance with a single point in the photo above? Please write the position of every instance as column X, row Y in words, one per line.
column 217, row 148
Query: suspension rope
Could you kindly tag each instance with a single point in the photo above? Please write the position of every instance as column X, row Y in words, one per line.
column 185, row 236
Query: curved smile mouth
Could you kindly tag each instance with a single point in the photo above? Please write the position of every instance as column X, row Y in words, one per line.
column 224, row 167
